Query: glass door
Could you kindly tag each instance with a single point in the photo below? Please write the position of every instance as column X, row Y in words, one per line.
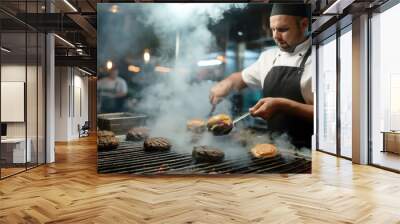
column 22, row 77
column 14, row 153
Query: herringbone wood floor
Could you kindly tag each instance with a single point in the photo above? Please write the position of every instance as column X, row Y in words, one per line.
column 70, row 191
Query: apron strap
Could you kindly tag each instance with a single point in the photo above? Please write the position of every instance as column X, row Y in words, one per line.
column 303, row 62
column 276, row 56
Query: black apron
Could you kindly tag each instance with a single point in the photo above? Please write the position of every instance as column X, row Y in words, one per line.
column 284, row 82
column 110, row 104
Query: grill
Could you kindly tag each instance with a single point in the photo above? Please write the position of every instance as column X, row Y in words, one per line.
column 130, row 157
column 120, row 123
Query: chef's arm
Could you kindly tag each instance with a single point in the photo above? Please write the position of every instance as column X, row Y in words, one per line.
column 224, row 87
column 267, row 107
column 236, row 81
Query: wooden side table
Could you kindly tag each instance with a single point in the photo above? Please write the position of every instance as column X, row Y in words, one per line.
column 391, row 141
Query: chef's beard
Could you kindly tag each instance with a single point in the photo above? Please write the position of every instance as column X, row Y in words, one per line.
column 286, row 47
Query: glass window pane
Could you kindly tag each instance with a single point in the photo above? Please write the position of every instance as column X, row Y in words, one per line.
column 327, row 96
column 385, row 89
column 346, row 94
column 31, row 97
column 41, row 98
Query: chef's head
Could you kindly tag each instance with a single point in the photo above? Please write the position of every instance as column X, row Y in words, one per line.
column 113, row 73
column 289, row 24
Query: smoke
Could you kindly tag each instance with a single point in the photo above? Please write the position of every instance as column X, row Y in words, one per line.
column 119, row 33
column 170, row 104
column 174, row 99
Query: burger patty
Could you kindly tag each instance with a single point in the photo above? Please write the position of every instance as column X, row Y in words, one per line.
column 105, row 133
column 221, row 128
column 156, row 144
column 207, row 154
column 107, row 142
column 220, row 124
column 264, row 151
column 137, row 134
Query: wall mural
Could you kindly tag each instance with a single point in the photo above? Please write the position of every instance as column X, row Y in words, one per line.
column 201, row 88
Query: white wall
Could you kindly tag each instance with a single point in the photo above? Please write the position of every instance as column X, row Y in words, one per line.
column 50, row 93
column 12, row 73
column 61, row 103
column 80, row 105
column 71, row 93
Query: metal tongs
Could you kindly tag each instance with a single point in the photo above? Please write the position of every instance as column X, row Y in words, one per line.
column 240, row 118
column 212, row 110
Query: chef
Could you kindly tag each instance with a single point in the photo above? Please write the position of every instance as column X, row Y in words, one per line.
column 283, row 74
column 112, row 91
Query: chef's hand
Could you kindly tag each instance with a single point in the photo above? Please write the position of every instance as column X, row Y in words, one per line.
column 219, row 91
column 267, row 107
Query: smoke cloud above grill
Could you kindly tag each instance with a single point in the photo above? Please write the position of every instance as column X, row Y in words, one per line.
column 174, row 98
column 120, row 22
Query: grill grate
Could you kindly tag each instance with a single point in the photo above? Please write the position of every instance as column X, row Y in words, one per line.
column 130, row 157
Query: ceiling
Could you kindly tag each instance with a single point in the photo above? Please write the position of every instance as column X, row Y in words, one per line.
column 77, row 23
